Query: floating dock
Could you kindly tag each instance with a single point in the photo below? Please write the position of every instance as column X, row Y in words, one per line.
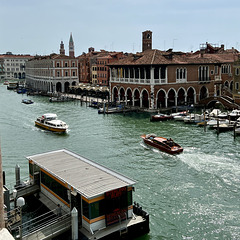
column 95, row 201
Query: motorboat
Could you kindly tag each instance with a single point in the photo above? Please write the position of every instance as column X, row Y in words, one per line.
column 214, row 113
column 223, row 115
column 194, row 118
column 160, row 117
column 224, row 127
column 163, row 144
column 50, row 122
column 211, row 123
column 179, row 116
column 5, row 83
column 234, row 114
column 27, row 101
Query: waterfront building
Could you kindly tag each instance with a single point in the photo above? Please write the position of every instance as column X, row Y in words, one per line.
column 103, row 198
column 12, row 66
column 93, row 66
column 236, row 81
column 52, row 73
column 154, row 79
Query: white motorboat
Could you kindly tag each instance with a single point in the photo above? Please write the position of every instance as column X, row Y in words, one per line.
column 50, row 122
column 234, row 114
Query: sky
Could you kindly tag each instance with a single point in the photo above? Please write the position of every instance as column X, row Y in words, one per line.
column 37, row 27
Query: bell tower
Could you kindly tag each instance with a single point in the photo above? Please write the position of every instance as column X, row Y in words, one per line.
column 62, row 50
column 71, row 47
column 146, row 40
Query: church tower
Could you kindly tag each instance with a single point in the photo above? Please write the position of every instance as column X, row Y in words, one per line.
column 62, row 50
column 146, row 40
column 71, row 47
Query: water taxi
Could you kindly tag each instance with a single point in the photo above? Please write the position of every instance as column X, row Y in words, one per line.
column 161, row 143
column 102, row 198
column 50, row 122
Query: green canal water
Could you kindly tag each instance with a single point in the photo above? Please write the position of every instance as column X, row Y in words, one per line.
column 194, row 195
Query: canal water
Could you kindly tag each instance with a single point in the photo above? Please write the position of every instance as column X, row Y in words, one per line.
column 194, row 195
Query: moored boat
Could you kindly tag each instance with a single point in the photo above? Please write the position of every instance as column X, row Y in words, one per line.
column 160, row 117
column 163, row 144
column 27, row 101
column 234, row 114
column 50, row 122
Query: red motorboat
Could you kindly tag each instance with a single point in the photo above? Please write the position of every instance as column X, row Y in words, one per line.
column 160, row 117
column 163, row 144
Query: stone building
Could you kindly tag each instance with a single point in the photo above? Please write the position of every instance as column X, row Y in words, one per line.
column 54, row 72
column 154, row 79
column 12, row 66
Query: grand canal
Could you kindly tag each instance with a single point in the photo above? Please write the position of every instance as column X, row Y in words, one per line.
column 194, row 195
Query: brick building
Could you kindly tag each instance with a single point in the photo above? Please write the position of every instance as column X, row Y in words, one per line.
column 154, row 79
column 93, row 66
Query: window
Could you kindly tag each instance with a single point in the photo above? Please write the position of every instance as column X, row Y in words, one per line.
column 66, row 73
column 181, row 74
column 203, row 73
column 226, row 69
column 54, row 186
column 58, row 73
column 216, row 69
column 74, row 74
column 73, row 64
column 94, row 210
column 236, row 85
column 237, row 71
column 58, row 64
column 66, row 64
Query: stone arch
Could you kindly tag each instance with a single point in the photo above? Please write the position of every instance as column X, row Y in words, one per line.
column 161, row 96
column 231, row 85
column 122, row 94
column 15, row 75
column 171, row 95
column 59, row 87
column 181, row 96
column 67, row 87
column 190, row 95
column 129, row 96
column 145, row 98
column 114, row 94
column 19, row 75
column 74, row 83
column 136, row 97
column 203, row 93
column 226, row 84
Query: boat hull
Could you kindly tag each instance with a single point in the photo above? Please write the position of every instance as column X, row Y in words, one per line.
column 52, row 129
column 176, row 150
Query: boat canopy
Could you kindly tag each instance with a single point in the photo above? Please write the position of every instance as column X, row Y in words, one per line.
column 49, row 116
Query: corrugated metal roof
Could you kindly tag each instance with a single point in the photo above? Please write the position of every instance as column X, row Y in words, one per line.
column 90, row 179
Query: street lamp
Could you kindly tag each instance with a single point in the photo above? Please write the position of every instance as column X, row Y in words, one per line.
column 20, row 204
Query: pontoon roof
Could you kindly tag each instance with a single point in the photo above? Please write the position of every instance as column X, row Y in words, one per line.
column 88, row 178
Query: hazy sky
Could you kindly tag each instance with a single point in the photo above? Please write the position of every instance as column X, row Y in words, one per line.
column 38, row 27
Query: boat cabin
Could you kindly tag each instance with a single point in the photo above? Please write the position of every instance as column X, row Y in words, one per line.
column 102, row 197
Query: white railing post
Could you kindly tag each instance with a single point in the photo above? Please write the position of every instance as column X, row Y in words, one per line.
column 74, row 215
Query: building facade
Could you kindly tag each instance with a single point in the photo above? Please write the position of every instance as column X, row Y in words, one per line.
column 12, row 66
column 160, row 79
column 52, row 73
column 93, row 66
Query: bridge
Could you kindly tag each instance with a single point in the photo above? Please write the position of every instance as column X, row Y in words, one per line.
column 226, row 101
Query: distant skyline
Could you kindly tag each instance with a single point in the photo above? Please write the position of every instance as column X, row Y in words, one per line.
column 38, row 27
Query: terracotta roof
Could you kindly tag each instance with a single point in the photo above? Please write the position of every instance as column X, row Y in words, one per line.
column 157, row 57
